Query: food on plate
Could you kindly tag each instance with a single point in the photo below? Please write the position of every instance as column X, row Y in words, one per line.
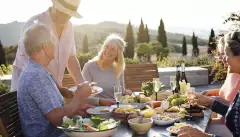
column 173, row 109
column 94, row 123
column 92, row 84
column 104, row 110
column 163, row 117
column 126, row 109
column 134, row 99
column 94, row 91
column 159, row 110
column 156, row 104
column 165, row 104
column 174, row 129
column 176, row 99
column 149, row 112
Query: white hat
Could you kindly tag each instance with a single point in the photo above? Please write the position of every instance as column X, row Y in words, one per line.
column 67, row 6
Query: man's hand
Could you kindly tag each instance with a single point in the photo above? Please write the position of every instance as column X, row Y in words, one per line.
column 106, row 102
column 191, row 132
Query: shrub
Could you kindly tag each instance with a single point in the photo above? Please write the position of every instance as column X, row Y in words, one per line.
column 5, row 70
column 131, row 61
column 4, row 88
column 85, row 57
column 219, row 72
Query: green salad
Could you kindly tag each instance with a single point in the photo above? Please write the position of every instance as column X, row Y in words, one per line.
column 95, row 123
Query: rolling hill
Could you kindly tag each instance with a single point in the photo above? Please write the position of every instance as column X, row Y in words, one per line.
column 11, row 32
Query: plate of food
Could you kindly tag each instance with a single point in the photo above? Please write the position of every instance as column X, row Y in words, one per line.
column 100, row 110
column 89, row 127
column 174, row 129
column 166, row 118
column 124, row 111
column 95, row 89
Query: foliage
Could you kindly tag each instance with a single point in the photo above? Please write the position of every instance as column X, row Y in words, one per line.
column 10, row 53
column 148, row 88
column 147, row 36
column 202, row 59
column 85, row 57
column 85, row 44
column 159, row 50
column 174, row 48
column 129, row 38
column 4, row 88
column 131, row 61
column 195, row 50
column 144, row 50
column 5, row 69
column 162, row 37
column 212, row 42
column 184, row 47
column 2, row 55
column 234, row 19
column 141, row 33
column 218, row 72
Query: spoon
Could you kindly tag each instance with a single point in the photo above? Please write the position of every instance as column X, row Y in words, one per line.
column 140, row 118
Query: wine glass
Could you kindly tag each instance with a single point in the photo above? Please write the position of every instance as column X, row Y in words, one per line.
column 156, row 85
column 173, row 83
column 117, row 94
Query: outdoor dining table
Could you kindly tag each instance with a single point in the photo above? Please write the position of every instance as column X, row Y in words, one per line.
column 124, row 129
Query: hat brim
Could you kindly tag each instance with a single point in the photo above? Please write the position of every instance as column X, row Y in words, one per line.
column 71, row 13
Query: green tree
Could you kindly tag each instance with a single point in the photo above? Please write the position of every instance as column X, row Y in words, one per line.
column 212, row 42
column 85, row 44
column 2, row 55
column 147, row 36
column 184, row 47
column 141, row 33
column 159, row 50
column 162, row 37
column 129, row 38
column 144, row 50
column 195, row 50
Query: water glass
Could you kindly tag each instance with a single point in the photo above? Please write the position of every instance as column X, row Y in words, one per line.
column 172, row 83
column 117, row 94
column 156, row 85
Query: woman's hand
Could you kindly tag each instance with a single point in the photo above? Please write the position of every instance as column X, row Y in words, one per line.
column 200, row 99
column 191, row 132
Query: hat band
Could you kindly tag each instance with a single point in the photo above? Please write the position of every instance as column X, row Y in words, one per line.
column 68, row 6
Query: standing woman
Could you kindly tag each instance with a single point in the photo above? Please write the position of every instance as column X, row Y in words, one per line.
column 107, row 69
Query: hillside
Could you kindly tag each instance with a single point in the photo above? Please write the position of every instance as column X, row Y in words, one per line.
column 11, row 32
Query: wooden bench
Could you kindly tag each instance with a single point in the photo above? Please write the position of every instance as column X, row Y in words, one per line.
column 68, row 81
column 10, row 125
column 135, row 74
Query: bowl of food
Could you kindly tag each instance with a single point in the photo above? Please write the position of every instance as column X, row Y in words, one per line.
column 89, row 127
column 124, row 111
column 166, row 118
column 140, row 127
column 174, row 129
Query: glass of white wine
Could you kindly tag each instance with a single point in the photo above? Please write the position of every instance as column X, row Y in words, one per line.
column 117, row 94
column 172, row 83
column 156, row 85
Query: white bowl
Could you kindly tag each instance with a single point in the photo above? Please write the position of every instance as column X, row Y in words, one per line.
column 162, row 122
column 140, row 128
column 106, row 133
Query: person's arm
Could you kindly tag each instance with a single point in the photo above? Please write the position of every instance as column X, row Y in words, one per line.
column 74, row 69
column 219, row 108
column 66, row 93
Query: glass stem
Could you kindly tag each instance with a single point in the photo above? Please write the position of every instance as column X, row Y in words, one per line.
column 156, row 95
column 117, row 104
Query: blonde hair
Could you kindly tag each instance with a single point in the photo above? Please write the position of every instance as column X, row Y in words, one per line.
column 221, row 44
column 36, row 36
column 119, row 63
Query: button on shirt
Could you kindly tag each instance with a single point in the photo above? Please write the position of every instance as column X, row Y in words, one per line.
column 64, row 48
column 37, row 95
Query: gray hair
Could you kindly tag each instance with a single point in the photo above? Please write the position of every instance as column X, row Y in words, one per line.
column 36, row 36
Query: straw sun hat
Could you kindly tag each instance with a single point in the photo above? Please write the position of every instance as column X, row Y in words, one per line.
column 67, row 6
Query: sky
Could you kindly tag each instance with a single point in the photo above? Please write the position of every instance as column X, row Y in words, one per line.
column 175, row 13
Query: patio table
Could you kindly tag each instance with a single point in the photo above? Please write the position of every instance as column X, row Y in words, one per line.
column 124, row 129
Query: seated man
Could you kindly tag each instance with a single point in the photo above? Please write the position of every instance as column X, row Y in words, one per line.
column 40, row 103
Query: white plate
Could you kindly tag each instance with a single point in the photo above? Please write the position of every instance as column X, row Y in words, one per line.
column 99, row 89
column 169, row 129
column 124, row 105
column 97, row 110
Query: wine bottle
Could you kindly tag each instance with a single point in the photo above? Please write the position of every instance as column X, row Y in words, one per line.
column 183, row 76
column 177, row 89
